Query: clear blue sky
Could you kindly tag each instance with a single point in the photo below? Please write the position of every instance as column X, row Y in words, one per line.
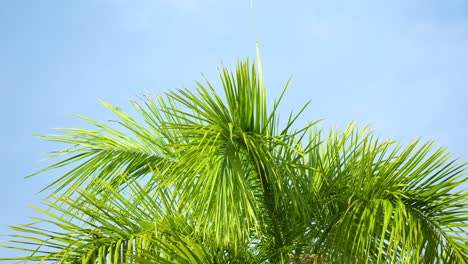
column 399, row 65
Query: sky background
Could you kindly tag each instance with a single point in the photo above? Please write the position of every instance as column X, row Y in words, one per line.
column 400, row 66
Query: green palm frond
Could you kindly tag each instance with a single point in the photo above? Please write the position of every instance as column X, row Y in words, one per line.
column 203, row 177
column 390, row 204
column 132, row 226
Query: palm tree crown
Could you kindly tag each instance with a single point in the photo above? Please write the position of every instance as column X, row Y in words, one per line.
column 202, row 178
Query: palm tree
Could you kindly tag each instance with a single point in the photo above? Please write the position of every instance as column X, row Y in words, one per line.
column 198, row 177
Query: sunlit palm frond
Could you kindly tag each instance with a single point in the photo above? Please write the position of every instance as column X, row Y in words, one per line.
column 137, row 225
column 204, row 177
column 384, row 203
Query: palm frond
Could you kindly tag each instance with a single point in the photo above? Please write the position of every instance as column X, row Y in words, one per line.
column 202, row 177
column 387, row 204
